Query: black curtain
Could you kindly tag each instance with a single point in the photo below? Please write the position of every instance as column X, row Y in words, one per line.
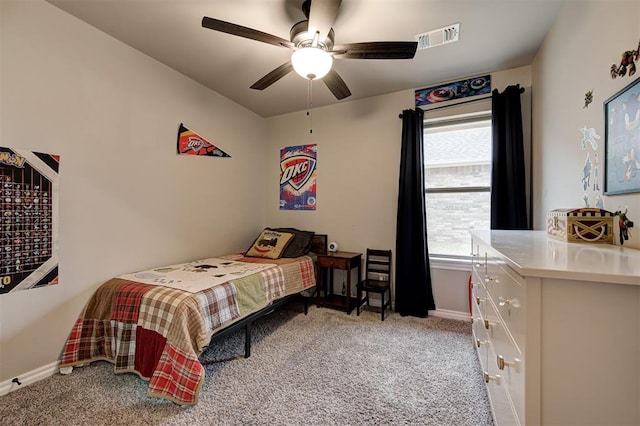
column 508, row 188
column 414, row 295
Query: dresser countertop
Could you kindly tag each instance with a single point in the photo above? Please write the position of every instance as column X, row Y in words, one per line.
column 533, row 254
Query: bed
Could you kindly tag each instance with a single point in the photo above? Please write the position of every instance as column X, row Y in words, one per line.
column 156, row 323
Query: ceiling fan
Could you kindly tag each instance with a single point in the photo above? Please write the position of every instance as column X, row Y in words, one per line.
column 313, row 43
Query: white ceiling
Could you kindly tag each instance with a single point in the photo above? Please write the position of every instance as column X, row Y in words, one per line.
column 494, row 35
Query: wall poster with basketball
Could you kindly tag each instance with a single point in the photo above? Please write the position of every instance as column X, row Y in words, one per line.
column 298, row 167
column 29, row 214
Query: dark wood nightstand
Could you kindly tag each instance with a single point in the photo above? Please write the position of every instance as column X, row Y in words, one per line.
column 345, row 261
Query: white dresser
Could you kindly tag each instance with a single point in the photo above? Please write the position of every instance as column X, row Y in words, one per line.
column 557, row 329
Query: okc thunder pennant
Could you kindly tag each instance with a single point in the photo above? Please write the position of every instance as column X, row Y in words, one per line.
column 190, row 143
column 298, row 168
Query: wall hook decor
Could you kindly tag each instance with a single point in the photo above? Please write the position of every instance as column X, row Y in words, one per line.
column 588, row 98
column 624, row 224
column 626, row 63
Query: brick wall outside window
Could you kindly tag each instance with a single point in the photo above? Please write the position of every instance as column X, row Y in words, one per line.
column 457, row 156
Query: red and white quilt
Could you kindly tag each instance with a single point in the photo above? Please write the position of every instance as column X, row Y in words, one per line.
column 158, row 332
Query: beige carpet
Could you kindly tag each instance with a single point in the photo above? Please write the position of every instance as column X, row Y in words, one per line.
column 326, row 368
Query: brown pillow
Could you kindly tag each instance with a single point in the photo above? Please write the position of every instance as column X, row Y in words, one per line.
column 270, row 244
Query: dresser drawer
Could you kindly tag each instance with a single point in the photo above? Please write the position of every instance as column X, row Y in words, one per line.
column 498, row 390
column 506, row 290
column 480, row 341
column 480, row 336
column 506, row 361
column 479, row 296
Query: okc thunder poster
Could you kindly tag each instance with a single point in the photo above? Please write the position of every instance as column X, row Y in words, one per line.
column 298, row 167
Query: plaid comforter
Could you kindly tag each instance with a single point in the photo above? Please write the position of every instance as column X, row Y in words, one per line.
column 159, row 332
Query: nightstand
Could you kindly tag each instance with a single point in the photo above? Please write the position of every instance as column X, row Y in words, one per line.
column 342, row 260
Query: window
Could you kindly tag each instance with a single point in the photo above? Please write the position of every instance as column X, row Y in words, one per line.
column 457, row 152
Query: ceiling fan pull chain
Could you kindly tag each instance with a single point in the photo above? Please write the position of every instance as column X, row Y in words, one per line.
column 310, row 105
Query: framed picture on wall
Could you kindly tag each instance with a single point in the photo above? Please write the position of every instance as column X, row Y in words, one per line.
column 622, row 141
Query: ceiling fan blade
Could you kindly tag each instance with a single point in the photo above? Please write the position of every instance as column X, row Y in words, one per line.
column 273, row 76
column 322, row 15
column 240, row 31
column 376, row 50
column 336, row 84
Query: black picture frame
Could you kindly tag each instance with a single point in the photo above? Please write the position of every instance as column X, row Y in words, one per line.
column 622, row 141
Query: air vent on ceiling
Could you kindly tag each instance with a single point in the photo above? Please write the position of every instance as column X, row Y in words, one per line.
column 434, row 38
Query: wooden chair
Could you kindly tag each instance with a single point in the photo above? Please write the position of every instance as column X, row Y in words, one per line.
column 377, row 279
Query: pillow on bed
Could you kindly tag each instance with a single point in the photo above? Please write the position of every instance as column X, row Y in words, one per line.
column 270, row 244
column 301, row 243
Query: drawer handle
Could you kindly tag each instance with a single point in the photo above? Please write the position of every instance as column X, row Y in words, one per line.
column 478, row 300
column 488, row 279
column 480, row 343
column 495, row 378
column 486, row 324
column 502, row 363
column 502, row 302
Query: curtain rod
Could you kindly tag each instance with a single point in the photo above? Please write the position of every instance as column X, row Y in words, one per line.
column 452, row 105
column 460, row 103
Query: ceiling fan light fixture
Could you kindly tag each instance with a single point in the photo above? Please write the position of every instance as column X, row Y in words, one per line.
column 311, row 63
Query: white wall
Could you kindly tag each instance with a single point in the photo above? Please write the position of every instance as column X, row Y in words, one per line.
column 358, row 160
column 358, row 168
column 586, row 39
column 127, row 201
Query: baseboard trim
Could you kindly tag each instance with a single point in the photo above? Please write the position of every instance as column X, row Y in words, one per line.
column 29, row 377
column 455, row 315
column 441, row 313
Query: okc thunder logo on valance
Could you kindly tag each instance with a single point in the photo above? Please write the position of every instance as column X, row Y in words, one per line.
column 190, row 143
column 298, row 166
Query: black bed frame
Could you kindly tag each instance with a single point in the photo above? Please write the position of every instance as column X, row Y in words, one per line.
column 247, row 322
column 318, row 245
